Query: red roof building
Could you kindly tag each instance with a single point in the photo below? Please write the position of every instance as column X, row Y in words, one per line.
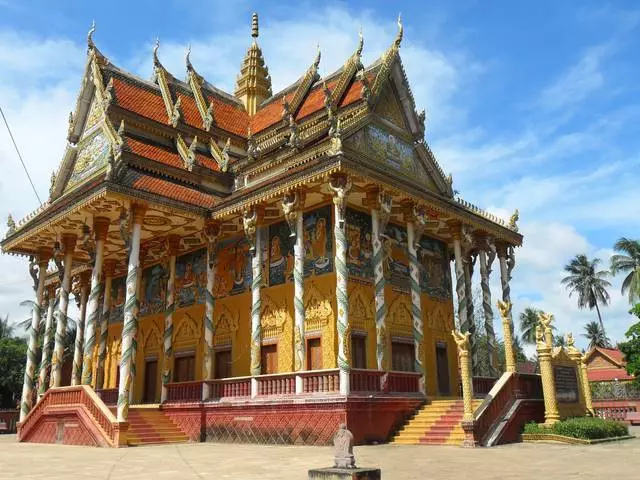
column 606, row 365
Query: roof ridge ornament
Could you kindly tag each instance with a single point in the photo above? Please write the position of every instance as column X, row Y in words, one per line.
column 187, row 56
column 254, row 25
column 90, row 43
column 360, row 43
column 156, row 46
column 400, row 33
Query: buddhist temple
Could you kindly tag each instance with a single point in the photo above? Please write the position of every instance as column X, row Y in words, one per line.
column 251, row 266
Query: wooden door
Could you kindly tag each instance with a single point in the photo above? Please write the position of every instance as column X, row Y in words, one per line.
column 184, row 368
column 269, row 356
column 314, row 354
column 402, row 357
column 150, row 381
column 442, row 368
column 358, row 351
column 223, row 364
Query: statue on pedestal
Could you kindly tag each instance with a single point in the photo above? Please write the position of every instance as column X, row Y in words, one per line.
column 343, row 453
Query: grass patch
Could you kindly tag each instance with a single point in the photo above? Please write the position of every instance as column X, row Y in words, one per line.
column 587, row 428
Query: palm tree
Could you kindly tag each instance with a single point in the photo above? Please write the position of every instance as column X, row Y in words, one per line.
column 6, row 329
column 559, row 341
column 595, row 335
column 628, row 263
column 588, row 282
column 528, row 322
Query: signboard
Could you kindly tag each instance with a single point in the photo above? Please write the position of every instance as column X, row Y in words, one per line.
column 566, row 383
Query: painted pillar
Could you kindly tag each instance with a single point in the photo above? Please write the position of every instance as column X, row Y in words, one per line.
column 109, row 270
column 380, row 204
column 142, row 254
column 461, row 291
column 251, row 220
column 543, row 346
column 485, row 272
column 292, row 206
column 76, row 372
column 170, row 307
column 100, row 228
column 47, row 341
column 212, row 232
column 586, row 386
column 340, row 184
column 470, row 324
column 69, row 245
column 507, row 261
column 416, row 303
column 129, row 327
column 29, row 373
column 509, row 354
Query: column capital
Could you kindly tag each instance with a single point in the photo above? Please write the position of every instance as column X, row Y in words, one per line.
column 455, row 227
column 408, row 210
column 51, row 291
column 502, row 247
column 69, row 242
column 101, row 227
column 109, row 267
column 85, row 278
column 173, row 245
column 137, row 212
column 44, row 255
column 371, row 200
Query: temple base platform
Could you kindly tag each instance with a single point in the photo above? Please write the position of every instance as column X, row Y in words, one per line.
column 345, row 474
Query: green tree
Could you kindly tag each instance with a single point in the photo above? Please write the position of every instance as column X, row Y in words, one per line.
column 559, row 341
column 528, row 321
column 589, row 283
column 6, row 329
column 631, row 348
column 628, row 261
column 595, row 335
column 13, row 351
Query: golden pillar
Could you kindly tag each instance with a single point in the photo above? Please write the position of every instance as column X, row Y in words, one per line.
column 588, row 402
column 581, row 374
column 544, row 346
column 509, row 354
column 462, row 341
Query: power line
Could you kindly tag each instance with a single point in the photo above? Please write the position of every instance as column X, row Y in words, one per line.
column 20, row 156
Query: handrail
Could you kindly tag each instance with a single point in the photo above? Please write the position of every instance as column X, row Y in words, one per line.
column 184, row 391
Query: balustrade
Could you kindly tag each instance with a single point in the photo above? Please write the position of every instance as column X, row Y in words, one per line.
column 109, row 396
column 482, row 386
column 320, row 381
column 365, row 381
column 229, row 387
column 278, row 384
column 184, row 392
column 404, row 382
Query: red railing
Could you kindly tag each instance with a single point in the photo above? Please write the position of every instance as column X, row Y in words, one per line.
column 320, row 381
column 365, row 380
column 229, row 387
column 277, row 384
column 80, row 395
column 482, row 386
column 529, row 385
column 8, row 420
column 108, row 395
column 615, row 409
column 184, row 392
column 403, row 382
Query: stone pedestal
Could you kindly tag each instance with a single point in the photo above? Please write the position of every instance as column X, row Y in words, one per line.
column 333, row 473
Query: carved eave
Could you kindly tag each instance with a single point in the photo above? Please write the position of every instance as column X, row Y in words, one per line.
column 387, row 61
column 163, row 79
column 221, row 156
column 433, row 168
column 196, row 82
column 187, row 153
column 304, row 86
column 66, row 167
column 351, row 67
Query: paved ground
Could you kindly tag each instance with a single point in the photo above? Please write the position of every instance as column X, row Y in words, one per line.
column 215, row 461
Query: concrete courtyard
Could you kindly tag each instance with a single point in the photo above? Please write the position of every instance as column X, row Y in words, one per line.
column 215, row 461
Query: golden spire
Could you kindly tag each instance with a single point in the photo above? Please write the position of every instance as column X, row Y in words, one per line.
column 254, row 83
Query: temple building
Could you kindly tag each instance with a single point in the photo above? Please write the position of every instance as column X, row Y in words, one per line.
column 251, row 266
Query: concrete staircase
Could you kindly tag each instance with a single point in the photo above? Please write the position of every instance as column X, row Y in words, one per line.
column 436, row 423
column 149, row 425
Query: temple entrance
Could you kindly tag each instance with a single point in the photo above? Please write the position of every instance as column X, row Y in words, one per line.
column 150, row 381
column 314, row 354
column 403, row 356
column 442, row 368
column 269, row 354
column 358, row 351
column 223, row 363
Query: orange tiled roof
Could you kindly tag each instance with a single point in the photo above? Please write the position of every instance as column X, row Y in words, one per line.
column 166, row 157
column 608, row 374
column 168, row 189
column 314, row 100
column 191, row 115
column 229, row 117
column 139, row 100
column 269, row 115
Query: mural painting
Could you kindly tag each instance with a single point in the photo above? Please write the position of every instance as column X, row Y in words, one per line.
column 191, row 278
column 154, row 286
column 118, row 297
column 280, row 253
column 395, row 257
column 318, row 241
column 435, row 274
column 233, row 267
column 359, row 247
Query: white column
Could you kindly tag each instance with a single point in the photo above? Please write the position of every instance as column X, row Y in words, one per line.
column 130, row 316
column 69, row 244
column 109, row 268
column 76, row 372
column 27, row 386
column 256, row 305
column 167, row 363
column 101, row 228
column 212, row 231
column 47, row 341
column 298, row 300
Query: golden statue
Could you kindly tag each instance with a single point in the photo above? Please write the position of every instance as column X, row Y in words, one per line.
column 462, row 340
column 505, row 308
column 513, row 221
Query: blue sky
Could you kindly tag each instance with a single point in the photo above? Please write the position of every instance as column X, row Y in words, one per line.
column 532, row 105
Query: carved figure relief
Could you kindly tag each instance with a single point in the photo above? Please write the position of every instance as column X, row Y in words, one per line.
column 360, row 249
column 191, row 278
column 93, row 153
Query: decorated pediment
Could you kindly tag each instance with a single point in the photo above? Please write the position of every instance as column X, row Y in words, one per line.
column 152, row 337
column 400, row 318
column 360, row 308
column 318, row 311
column 228, row 321
column 273, row 317
column 390, row 109
column 187, row 331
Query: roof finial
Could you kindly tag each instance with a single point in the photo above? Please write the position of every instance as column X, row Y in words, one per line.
column 186, row 56
column 254, row 25
column 360, row 43
column 398, row 39
column 155, row 51
column 90, row 34
column 316, row 62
